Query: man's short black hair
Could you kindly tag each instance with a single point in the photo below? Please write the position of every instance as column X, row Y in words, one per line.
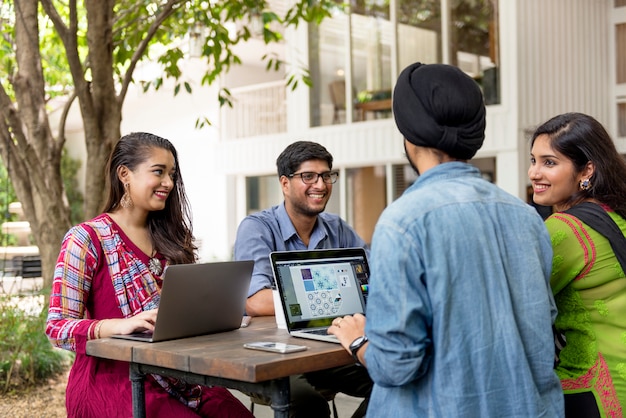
column 297, row 153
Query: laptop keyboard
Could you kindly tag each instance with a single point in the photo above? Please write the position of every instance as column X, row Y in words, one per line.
column 317, row 331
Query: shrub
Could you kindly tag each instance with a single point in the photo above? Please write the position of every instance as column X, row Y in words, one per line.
column 26, row 355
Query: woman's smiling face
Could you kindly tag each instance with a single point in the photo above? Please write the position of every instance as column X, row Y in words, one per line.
column 553, row 176
column 153, row 180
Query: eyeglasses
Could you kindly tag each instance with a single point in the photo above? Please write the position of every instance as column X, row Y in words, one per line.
column 309, row 177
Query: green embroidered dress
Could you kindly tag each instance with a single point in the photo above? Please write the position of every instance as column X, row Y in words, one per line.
column 590, row 292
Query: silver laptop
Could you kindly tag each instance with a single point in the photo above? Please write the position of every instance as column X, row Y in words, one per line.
column 317, row 286
column 198, row 299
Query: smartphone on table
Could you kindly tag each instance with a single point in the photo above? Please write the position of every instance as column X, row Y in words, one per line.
column 275, row 347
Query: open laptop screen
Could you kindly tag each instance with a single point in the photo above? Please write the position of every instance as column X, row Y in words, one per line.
column 319, row 285
column 198, row 299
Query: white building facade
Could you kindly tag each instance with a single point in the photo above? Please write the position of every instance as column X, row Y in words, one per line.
column 533, row 58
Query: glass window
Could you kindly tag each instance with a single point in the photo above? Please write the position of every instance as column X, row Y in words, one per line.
column 620, row 55
column 419, row 32
column 487, row 167
column 371, row 35
column 350, row 54
column 620, row 74
column 473, row 43
column 366, row 199
column 403, row 177
column 327, row 66
column 621, row 120
column 262, row 192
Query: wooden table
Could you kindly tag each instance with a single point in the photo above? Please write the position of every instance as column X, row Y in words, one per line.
column 221, row 360
column 375, row 106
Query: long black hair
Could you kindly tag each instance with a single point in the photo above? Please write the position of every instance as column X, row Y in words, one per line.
column 583, row 139
column 170, row 229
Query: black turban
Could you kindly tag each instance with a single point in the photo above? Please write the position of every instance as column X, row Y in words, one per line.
column 439, row 106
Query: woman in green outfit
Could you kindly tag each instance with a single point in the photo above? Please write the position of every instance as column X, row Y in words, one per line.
column 573, row 163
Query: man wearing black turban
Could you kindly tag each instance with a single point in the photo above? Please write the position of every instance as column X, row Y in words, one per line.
column 439, row 106
column 460, row 312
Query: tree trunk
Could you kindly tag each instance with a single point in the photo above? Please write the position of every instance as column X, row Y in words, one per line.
column 102, row 126
column 27, row 146
column 30, row 152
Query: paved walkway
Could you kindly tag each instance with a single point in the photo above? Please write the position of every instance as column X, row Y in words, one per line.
column 346, row 405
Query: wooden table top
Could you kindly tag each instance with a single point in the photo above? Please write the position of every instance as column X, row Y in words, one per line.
column 222, row 355
column 374, row 105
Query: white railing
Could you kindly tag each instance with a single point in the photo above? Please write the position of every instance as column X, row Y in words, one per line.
column 257, row 110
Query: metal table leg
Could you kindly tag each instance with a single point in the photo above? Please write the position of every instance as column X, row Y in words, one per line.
column 137, row 379
column 278, row 390
column 280, row 397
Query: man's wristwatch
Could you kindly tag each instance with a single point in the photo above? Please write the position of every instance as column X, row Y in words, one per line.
column 356, row 345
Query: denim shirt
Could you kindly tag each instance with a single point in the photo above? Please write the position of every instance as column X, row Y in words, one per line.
column 460, row 310
column 271, row 230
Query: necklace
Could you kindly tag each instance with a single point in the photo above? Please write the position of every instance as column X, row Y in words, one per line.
column 154, row 265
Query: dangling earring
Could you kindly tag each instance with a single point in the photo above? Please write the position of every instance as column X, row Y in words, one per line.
column 584, row 184
column 126, row 201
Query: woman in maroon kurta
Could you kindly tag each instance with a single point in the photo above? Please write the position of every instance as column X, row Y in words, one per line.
column 108, row 279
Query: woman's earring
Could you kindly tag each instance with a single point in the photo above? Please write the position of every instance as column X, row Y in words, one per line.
column 126, row 201
column 584, row 184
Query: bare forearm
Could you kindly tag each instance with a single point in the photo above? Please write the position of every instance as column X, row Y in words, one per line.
column 261, row 303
